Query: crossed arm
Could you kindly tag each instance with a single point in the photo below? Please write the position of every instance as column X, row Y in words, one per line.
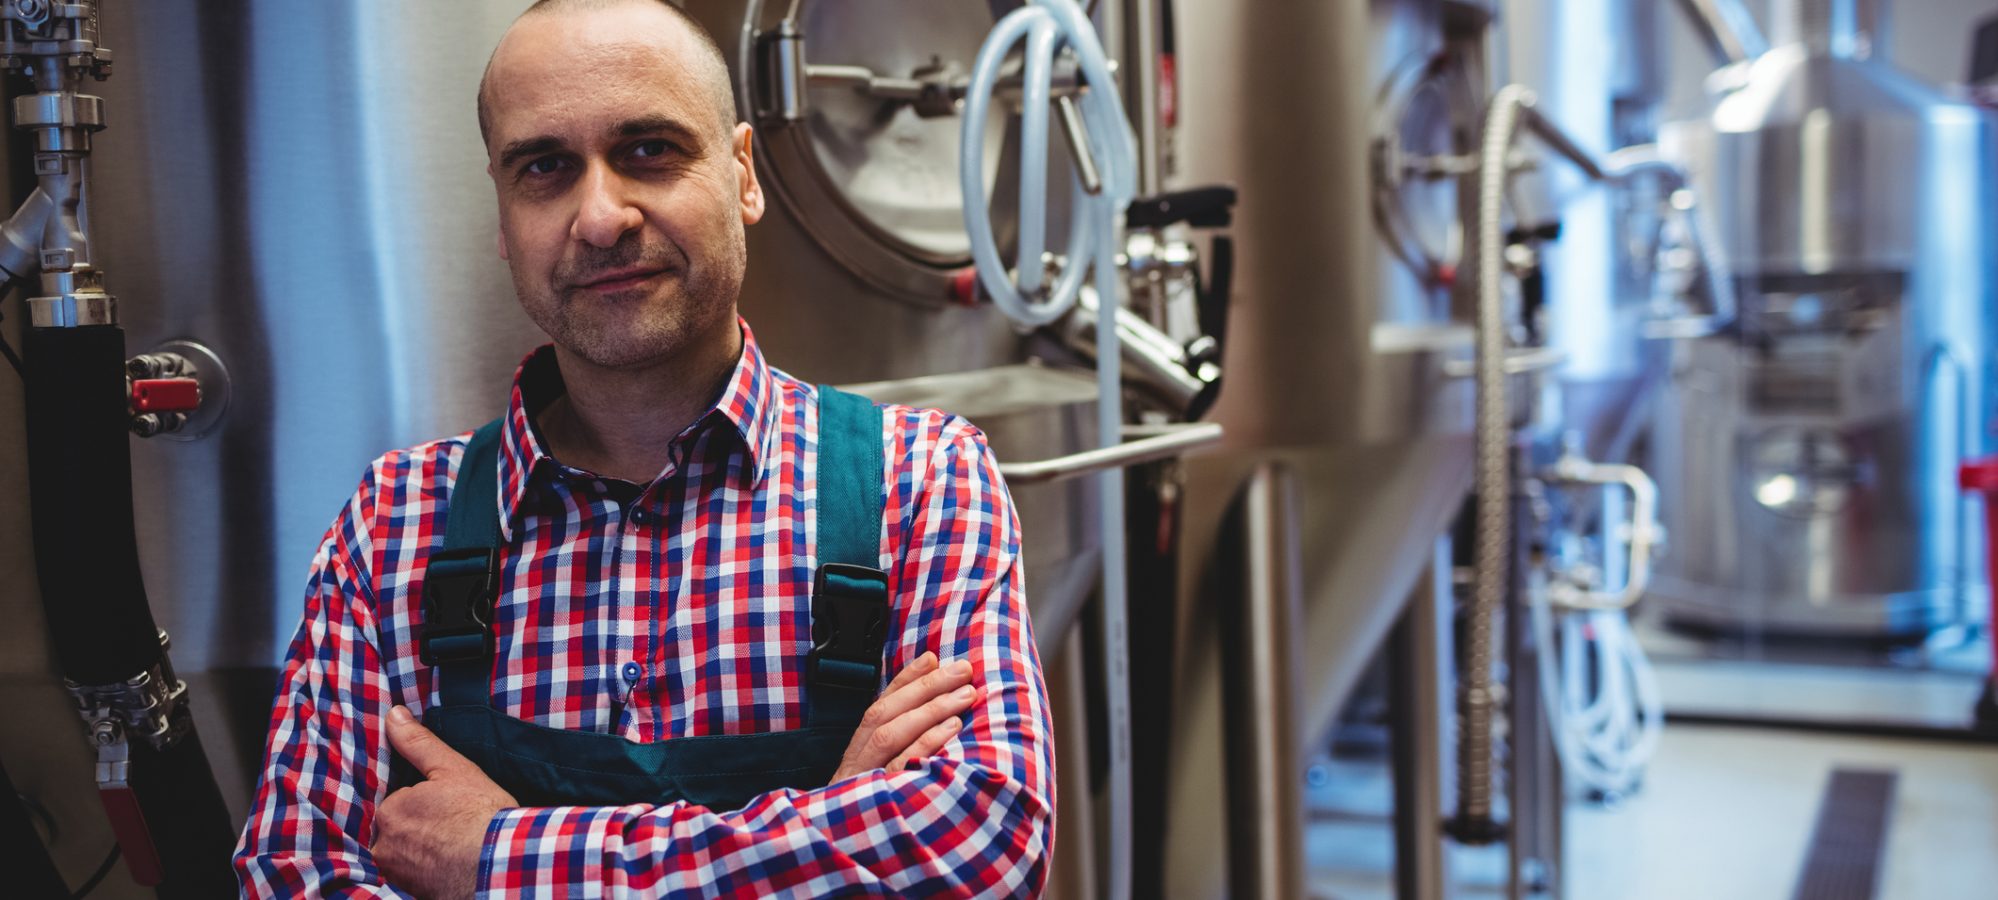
column 972, row 817
column 429, row 836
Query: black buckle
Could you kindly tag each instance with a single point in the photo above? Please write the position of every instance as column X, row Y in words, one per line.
column 459, row 587
column 849, row 616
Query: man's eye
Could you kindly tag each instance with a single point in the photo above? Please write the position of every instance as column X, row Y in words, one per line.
column 546, row 165
column 651, row 149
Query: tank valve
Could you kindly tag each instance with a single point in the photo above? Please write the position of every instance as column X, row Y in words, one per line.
column 178, row 390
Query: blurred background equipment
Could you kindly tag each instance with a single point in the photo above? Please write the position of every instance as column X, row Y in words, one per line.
column 1806, row 450
column 1394, row 608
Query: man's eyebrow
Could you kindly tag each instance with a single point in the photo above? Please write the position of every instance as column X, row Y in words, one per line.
column 515, row 151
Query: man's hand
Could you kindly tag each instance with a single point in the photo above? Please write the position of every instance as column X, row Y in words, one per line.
column 912, row 718
column 428, row 835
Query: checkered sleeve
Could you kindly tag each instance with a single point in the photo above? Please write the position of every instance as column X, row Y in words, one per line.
column 325, row 766
column 975, row 820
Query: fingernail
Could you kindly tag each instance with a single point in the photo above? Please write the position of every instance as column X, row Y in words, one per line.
column 960, row 667
column 400, row 716
column 928, row 658
column 964, row 694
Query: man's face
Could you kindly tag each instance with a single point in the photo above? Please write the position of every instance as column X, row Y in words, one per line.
column 623, row 191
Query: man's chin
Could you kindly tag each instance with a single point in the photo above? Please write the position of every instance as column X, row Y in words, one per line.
column 622, row 354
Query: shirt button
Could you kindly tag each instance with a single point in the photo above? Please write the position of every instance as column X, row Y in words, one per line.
column 631, row 672
column 642, row 516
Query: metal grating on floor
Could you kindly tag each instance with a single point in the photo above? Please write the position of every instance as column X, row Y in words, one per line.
column 1843, row 861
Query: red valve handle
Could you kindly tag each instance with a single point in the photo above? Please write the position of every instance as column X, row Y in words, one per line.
column 964, row 286
column 165, row 395
column 135, row 840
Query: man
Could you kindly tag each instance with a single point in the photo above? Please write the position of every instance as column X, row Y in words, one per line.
column 661, row 698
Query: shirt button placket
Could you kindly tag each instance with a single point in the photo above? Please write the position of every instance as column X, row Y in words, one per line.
column 640, row 519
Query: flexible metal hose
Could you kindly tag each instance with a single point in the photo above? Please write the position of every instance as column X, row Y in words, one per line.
column 1477, row 688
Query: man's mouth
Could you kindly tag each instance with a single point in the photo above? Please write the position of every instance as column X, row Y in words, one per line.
column 621, row 279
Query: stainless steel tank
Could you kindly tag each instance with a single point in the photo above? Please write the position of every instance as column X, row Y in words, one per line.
column 1337, row 343
column 299, row 186
column 853, row 269
column 1806, row 457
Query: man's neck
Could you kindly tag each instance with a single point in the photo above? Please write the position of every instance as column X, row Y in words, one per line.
column 620, row 423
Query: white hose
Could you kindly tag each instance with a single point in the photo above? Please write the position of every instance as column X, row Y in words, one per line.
column 1048, row 26
column 1603, row 703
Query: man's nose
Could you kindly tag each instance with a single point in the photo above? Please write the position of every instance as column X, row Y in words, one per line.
column 606, row 211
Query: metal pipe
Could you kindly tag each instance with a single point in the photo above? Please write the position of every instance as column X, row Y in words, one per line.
column 1556, row 139
column 1642, row 529
column 1176, row 442
column 1141, row 25
column 21, row 237
column 1153, row 362
column 1534, row 773
column 1416, row 662
column 1727, row 28
column 1073, row 876
column 1266, row 840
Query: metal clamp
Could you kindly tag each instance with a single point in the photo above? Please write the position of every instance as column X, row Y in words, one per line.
column 1163, row 442
column 1642, row 533
column 75, row 297
column 146, row 705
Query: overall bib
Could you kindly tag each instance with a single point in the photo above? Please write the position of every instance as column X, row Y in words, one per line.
column 542, row 766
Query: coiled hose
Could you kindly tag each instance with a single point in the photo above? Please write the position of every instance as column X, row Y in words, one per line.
column 1047, row 26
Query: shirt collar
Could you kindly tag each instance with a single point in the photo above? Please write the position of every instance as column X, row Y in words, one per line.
column 747, row 403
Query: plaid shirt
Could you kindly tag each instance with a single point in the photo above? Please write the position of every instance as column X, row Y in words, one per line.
column 674, row 609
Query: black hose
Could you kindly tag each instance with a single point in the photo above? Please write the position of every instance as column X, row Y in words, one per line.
column 190, row 824
column 97, row 877
column 25, row 861
column 86, row 556
column 80, row 485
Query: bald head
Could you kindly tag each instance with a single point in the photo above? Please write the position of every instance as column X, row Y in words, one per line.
column 660, row 23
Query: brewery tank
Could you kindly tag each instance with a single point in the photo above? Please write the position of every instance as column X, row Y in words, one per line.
column 299, row 187
column 1806, row 456
column 1338, row 345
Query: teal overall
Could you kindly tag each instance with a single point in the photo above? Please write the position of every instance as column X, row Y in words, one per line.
column 542, row 766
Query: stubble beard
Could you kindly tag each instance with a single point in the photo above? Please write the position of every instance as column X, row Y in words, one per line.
column 646, row 325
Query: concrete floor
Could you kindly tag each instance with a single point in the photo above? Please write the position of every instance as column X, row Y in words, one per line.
column 1724, row 813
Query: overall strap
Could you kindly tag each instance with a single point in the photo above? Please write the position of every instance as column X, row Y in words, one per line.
column 849, row 590
column 461, row 581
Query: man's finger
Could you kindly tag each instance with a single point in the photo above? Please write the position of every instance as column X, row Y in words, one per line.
column 421, row 747
column 932, row 741
column 917, row 668
column 897, row 702
column 895, row 738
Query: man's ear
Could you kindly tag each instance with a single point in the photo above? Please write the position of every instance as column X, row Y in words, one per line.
column 750, row 193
